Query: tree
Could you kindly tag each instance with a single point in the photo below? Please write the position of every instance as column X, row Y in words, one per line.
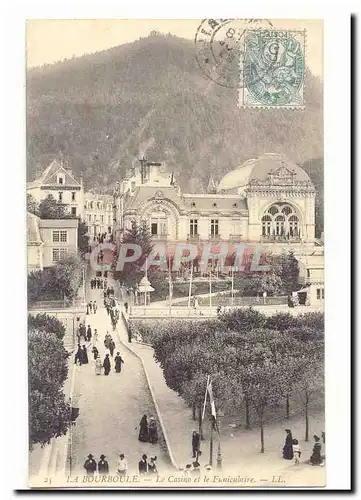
column 83, row 237
column 50, row 208
column 242, row 320
column 32, row 205
column 46, row 323
column 138, row 234
column 289, row 272
column 49, row 414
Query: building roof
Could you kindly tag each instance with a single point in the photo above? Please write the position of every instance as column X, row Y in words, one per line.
column 33, row 232
column 58, row 223
column 144, row 192
column 49, row 176
column 259, row 169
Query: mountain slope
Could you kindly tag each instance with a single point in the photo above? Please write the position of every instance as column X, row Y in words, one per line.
column 105, row 109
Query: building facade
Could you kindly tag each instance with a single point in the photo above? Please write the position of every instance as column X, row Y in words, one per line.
column 267, row 200
column 58, row 180
column 50, row 240
column 98, row 213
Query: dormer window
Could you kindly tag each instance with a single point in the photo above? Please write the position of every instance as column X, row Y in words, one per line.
column 193, row 204
column 60, row 180
column 60, row 196
column 235, row 205
column 214, row 205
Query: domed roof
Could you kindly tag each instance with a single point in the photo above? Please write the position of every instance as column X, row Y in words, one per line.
column 259, row 169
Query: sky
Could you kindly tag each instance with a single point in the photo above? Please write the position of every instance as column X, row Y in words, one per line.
column 52, row 40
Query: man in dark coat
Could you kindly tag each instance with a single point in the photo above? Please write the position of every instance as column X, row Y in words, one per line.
column 89, row 334
column 143, row 465
column 111, row 347
column 195, row 444
column 78, row 355
column 84, row 355
column 103, row 466
column 90, row 465
column 106, row 364
column 90, row 307
column 118, row 362
column 95, row 352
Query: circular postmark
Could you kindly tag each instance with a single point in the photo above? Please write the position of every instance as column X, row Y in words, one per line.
column 274, row 66
column 220, row 49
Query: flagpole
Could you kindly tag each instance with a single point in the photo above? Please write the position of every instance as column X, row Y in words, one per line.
column 190, row 287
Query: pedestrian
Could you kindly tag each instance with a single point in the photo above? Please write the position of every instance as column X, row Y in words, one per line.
column 106, row 365
column 82, row 330
column 89, row 334
column 78, row 356
column 152, row 466
column 287, row 448
column 103, row 466
column 195, row 444
column 84, row 355
column 316, row 458
column 152, row 430
column 95, row 306
column 96, row 336
column 95, row 352
column 143, row 429
column 143, row 465
column 98, row 283
column 105, row 284
column 87, row 308
column 118, row 362
column 296, row 451
column 98, row 366
column 188, row 470
column 126, row 307
column 91, row 283
column 91, row 307
column 90, row 465
column 111, row 347
column 122, row 465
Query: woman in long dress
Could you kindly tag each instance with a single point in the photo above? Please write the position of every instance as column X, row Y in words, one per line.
column 95, row 352
column 118, row 362
column 152, row 430
column 98, row 366
column 288, row 446
column 143, row 429
column 106, row 365
column 84, row 355
column 316, row 458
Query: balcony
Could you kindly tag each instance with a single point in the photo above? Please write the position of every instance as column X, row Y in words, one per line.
column 214, row 237
column 160, row 237
column 235, row 237
column 193, row 237
column 279, row 238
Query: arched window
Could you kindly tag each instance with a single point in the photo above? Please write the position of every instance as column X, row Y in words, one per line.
column 266, row 225
column 280, row 221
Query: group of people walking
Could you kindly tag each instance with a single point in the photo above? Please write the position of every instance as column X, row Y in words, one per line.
column 148, row 432
column 292, row 449
column 106, row 364
column 98, row 283
column 145, row 466
column 91, row 307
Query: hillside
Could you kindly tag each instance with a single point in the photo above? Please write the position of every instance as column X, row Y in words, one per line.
column 149, row 96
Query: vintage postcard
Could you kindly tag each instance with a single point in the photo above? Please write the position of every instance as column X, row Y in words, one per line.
column 175, row 243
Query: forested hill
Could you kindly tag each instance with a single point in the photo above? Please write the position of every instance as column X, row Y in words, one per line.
column 149, row 96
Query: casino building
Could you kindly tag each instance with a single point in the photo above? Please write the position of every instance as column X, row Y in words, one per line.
column 267, row 200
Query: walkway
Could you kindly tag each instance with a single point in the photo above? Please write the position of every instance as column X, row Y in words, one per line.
column 111, row 407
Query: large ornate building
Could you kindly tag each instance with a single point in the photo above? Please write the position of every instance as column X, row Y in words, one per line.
column 267, row 200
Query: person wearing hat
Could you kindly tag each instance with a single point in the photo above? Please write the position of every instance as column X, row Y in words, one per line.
column 122, row 465
column 288, row 446
column 103, row 466
column 196, row 471
column 106, row 365
column 195, row 444
column 90, row 465
column 152, row 466
column 118, row 360
column 316, row 458
column 143, row 465
column 188, row 470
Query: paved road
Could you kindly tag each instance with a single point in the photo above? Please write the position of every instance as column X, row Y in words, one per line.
column 111, row 407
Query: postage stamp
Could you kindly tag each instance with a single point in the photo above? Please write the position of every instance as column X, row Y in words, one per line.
column 273, row 69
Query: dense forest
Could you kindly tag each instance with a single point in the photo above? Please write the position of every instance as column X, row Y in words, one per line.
column 104, row 110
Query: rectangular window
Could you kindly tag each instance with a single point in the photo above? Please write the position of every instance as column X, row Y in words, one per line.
column 56, row 236
column 73, row 210
column 193, row 227
column 318, row 293
column 98, row 205
column 63, row 236
column 56, row 254
column 102, row 218
column 73, row 196
column 323, row 293
column 108, row 219
column 60, row 196
column 60, row 180
column 214, row 227
column 89, row 217
column 154, row 228
column 63, row 253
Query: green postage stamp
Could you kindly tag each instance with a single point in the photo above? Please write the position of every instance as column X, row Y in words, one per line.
column 273, row 69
